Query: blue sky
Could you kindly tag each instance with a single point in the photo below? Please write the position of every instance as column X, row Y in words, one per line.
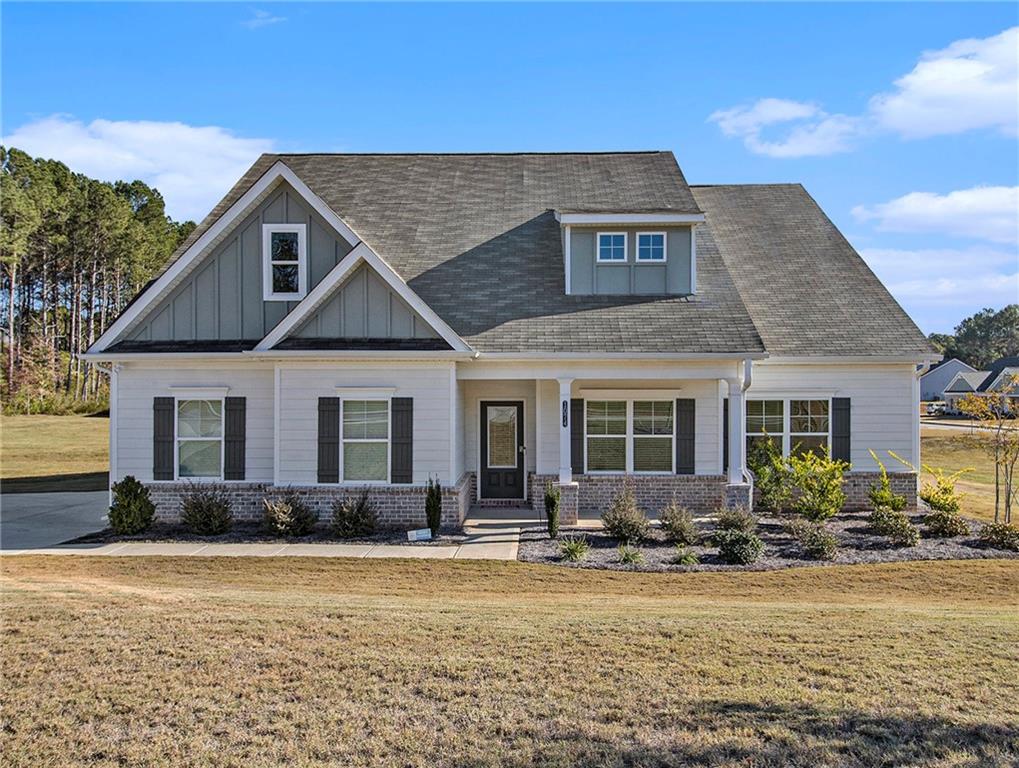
column 901, row 120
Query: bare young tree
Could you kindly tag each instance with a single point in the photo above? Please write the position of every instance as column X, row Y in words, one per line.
column 997, row 410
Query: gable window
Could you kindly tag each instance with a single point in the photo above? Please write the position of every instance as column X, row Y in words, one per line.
column 285, row 262
column 796, row 426
column 199, row 439
column 651, row 246
column 611, row 246
column 365, row 443
column 630, row 436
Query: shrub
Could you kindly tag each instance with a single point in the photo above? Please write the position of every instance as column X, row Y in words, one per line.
column 206, row 511
column 624, row 520
column 818, row 542
column 818, row 480
column 771, row 474
column 629, row 555
column 895, row 526
column 941, row 494
column 552, row 497
column 738, row 547
column 433, row 506
column 684, row 556
column 678, row 525
column 353, row 517
column 881, row 495
column 132, row 510
column 574, row 548
column 736, row 518
column 1001, row 536
column 943, row 524
column 288, row 515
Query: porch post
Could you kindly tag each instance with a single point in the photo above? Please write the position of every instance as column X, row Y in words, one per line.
column 564, row 416
column 737, row 432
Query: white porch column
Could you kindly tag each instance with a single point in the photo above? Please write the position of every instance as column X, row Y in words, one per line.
column 737, row 432
column 564, row 416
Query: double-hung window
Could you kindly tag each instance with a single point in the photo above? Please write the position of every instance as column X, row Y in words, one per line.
column 795, row 425
column 284, row 261
column 651, row 246
column 612, row 246
column 365, row 443
column 200, row 439
column 808, row 426
column 630, row 435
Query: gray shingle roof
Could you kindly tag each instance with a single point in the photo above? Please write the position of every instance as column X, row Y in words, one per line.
column 999, row 365
column 476, row 237
column 804, row 285
column 966, row 381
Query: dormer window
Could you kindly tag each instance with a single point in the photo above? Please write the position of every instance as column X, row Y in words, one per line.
column 651, row 246
column 285, row 262
column 612, row 246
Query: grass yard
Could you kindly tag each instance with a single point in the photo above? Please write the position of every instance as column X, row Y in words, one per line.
column 54, row 453
column 250, row 661
column 957, row 450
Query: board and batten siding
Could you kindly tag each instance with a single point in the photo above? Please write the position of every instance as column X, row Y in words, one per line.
column 881, row 403
column 589, row 276
column 301, row 387
column 222, row 298
column 138, row 384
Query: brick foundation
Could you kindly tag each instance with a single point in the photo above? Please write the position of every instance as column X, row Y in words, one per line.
column 698, row 493
column 858, row 484
column 398, row 506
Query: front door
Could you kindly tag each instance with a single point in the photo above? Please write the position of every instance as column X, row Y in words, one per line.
column 502, row 449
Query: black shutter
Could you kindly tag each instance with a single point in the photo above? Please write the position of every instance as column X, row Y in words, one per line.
column 233, row 438
column 840, row 428
column 725, row 436
column 162, row 438
column 402, row 440
column 685, row 411
column 577, row 435
column 328, row 440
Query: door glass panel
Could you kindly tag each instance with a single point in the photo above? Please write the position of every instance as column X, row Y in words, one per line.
column 502, row 436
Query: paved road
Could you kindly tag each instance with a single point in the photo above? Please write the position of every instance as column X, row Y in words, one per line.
column 34, row 520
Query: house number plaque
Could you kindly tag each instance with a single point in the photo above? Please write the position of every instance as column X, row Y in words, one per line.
column 566, row 413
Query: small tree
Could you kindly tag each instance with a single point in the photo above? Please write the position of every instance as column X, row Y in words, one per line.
column 433, row 506
column 771, row 474
column 552, row 497
column 997, row 410
column 818, row 479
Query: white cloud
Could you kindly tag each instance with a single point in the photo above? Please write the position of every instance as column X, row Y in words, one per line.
column 192, row 166
column 814, row 131
column 972, row 84
column 985, row 213
column 260, row 18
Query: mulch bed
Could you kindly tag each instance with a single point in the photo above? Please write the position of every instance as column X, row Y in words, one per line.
column 857, row 544
column 253, row 533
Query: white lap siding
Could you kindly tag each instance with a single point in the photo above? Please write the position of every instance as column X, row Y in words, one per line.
column 139, row 383
column 881, row 403
column 302, row 385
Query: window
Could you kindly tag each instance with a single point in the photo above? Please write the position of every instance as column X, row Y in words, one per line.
column 365, row 442
column 651, row 246
column 630, row 436
column 200, row 439
column 796, row 426
column 502, row 436
column 611, row 246
column 285, row 273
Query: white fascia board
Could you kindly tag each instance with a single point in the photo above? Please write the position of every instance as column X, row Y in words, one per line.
column 616, row 356
column 629, row 218
column 851, row 359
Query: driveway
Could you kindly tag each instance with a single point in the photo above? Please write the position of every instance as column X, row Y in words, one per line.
column 34, row 520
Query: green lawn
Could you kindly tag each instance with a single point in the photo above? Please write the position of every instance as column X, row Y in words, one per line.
column 956, row 450
column 54, row 453
column 251, row 661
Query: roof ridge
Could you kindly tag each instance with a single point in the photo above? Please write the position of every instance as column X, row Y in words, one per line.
column 470, row 154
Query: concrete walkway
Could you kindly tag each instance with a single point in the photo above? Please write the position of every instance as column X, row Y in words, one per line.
column 491, row 535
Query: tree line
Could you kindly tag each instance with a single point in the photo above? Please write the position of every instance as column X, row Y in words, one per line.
column 982, row 338
column 74, row 251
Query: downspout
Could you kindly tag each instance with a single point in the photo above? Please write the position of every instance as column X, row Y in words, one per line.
column 920, row 371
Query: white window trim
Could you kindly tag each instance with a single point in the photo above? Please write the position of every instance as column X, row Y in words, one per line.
column 177, row 438
column 628, row 437
column 787, row 434
column 597, row 249
column 302, row 261
column 665, row 249
column 388, row 441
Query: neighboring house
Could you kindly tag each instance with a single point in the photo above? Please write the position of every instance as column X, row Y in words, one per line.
column 1000, row 378
column 499, row 322
column 936, row 380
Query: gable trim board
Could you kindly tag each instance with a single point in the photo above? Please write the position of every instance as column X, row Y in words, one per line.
column 252, row 197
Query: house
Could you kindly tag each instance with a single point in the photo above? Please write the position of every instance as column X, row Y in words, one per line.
column 499, row 322
column 1000, row 378
column 936, row 380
